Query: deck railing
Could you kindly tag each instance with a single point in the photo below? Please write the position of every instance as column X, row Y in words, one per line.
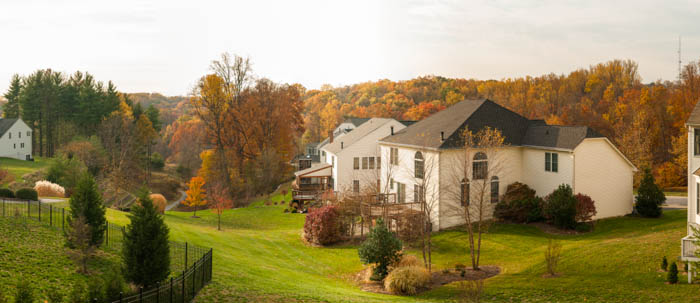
column 689, row 248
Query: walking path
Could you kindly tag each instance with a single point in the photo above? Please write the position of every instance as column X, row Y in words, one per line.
column 172, row 205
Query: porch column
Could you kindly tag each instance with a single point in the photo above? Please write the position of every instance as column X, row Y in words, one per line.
column 690, row 272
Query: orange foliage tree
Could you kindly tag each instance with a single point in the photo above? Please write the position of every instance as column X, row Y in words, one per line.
column 196, row 194
column 220, row 200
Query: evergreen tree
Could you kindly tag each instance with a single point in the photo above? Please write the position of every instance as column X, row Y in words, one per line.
column 382, row 248
column 649, row 197
column 154, row 115
column 673, row 273
column 86, row 201
column 11, row 109
column 146, row 251
column 664, row 264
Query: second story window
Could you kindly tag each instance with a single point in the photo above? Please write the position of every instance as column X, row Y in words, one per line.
column 419, row 165
column 364, row 162
column 371, row 162
column 480, row 167
column 356, row 163
column 394, row 156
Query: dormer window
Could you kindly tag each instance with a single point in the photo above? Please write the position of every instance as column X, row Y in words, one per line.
column 696, row 142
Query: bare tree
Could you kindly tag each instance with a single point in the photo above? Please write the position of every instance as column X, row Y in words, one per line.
column 426, row 190
column 472, row 183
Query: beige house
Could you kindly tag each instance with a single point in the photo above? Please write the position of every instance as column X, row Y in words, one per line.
column 427, row 159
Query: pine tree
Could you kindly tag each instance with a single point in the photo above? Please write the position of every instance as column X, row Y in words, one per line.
column 86, row 202
column 664, row 264
column 382, row 248
column 649, row 197
column 673, row 274
column 146, row 251
column 11, row 109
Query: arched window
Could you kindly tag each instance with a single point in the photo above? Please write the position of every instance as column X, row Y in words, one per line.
column 480, row 166
column 419, row 165
column 464, row 196
column 494, row 189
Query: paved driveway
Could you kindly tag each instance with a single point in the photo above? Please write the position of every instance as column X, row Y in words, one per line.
column 675, row 202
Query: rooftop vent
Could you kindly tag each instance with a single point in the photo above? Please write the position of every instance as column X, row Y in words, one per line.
column 392, row 130
column 442, row 136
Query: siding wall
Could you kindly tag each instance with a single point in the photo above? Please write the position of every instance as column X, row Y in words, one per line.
column 602, row 173
column 11, row 148
column 343, row 172
column 544, row 182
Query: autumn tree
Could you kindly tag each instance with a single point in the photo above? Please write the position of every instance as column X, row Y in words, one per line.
column 196, row 194
column 220, row 201
column 80, row 236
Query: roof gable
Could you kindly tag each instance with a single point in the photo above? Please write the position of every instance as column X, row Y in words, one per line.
column 557, row 136
column 6, row 124
column 694, row 118
column 356, row 135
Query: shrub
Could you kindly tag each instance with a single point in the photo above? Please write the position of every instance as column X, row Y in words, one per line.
column 560, row 207
column 157, row 161
column 649, row 197
column 407, row 280
column 66, row 172
column 78, row 293
column 460, row 267
column 552, row 256
column 519, row 204
column 146, row 251
column 159, row 202
column 47, row 189
column 25, row 293
column 86, row 202
column 6, row 193
column 673, row 274
column 114, row 284
column 54, row 295
column 664, row 264
column 585, row 208
column 322, row 225
column 381, row 248
column 27, row 194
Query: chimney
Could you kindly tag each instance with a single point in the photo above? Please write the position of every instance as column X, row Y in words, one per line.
column 392, row 130
column 331, row 137
column 341, row 145
column 442, row 136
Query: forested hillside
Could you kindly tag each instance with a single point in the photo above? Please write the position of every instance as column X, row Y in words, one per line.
column 645, row 120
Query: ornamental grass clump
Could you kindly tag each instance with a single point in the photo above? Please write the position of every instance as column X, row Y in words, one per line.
column 47, row 189
column 407, row 280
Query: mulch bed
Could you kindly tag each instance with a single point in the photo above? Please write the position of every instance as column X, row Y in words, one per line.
column 438, row 278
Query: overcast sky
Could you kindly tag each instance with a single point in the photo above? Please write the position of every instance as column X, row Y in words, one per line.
column 165, row 46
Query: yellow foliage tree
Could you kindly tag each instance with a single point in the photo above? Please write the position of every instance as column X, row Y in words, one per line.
column 196, row 194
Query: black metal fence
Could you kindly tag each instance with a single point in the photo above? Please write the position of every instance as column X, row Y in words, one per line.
column 190, row 265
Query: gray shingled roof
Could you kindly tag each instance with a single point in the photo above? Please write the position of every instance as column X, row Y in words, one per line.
column 356, row 134
column 478, row 114
column 5, row 125
column 694, row 118
column 358, row 121
column 556, row 136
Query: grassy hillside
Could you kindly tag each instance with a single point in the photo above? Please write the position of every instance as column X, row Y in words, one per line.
column 18, row 168
column 259, row 257
column 37, row 253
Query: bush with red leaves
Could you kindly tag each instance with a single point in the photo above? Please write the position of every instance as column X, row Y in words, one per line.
column 585, row 208
column 322, row 225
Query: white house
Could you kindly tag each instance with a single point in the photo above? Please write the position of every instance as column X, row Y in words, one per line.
column 688, row 247
column 427, row 159
column 15, row 139
column 354, row 157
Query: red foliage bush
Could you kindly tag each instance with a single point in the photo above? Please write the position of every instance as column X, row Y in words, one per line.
column 585, row 208
column 322, row 225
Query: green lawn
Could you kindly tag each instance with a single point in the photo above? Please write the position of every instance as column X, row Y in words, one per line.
column 259, row 257
column 18, row 168
column 30, row 250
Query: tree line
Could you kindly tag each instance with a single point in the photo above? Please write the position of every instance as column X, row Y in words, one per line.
column 645, row 120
